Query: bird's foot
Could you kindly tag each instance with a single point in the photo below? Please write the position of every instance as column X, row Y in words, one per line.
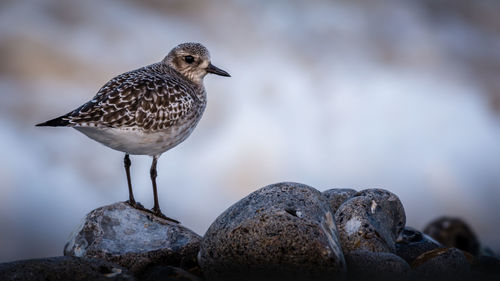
column 157, row 212
column 136, row 205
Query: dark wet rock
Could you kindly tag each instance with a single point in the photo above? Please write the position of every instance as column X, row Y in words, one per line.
column 371, row 220
column 337, row 196
column 442, row 264
column 168, row 273
column 486, row 268
column 487, row 251
column 134, row 239
column 453, row 232
column 413, row 243
column 367, row 265
column 63, row 269
column 283, row 231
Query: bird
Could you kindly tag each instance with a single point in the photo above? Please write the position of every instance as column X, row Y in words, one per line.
column 147, row 111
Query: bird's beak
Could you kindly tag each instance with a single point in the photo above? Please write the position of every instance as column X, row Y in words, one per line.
column 215, row 70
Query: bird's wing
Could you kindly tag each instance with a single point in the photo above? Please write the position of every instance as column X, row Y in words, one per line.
column 135, row 99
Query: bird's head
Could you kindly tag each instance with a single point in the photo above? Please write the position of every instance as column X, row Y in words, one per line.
column 192, row 60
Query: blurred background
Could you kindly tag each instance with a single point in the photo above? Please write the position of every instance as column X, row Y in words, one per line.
column 402, row 95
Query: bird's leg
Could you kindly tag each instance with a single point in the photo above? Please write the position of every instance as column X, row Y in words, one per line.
column 127, row 163
column 153, row 174
column 156, row 208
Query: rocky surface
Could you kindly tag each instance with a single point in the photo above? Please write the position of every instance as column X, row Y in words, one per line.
column 337, row 196
column 442, row 264
column 453, row 232
column 63, row 269
column 371, row 220
column 367, row 265
column 413, row 243
column 486, row 268
column 283, row 231
column 168, row 273
column 134, row 239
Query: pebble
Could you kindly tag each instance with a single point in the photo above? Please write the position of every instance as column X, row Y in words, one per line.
column 337, row 196
column 367, row 265
column 63, row 268
column 370, row 220
column 413, row 243
column 168, row 273
column 283, row 231
column 442, row 264
column 453, row 232
column 134, row 239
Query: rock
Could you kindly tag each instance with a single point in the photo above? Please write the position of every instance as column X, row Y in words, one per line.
column 283, row 231
column 453, row 232
column 168, row 273
column 134, row 239
column 367, row 265
column 486, row 268
column 371, row 220
column 413, row 243
column 337, row 196
column 487, row 251
column 63, row 268
column 442, row 264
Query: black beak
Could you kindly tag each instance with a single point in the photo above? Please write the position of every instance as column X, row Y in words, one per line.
column 215, row 70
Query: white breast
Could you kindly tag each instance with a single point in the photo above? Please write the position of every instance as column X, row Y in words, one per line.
column 136, row 141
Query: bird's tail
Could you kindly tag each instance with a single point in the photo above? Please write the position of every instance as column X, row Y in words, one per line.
column 56, row 122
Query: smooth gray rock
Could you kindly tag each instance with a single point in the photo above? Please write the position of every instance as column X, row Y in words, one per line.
column 453, row 232
column 367, row 265
column 283, row 231
column 337, row 196
column 413, row 243
column 442, row 264
column 63, row 269
column 371, row 220
column 134, row 239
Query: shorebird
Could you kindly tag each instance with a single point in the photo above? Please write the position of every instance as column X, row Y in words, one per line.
column 147, row 111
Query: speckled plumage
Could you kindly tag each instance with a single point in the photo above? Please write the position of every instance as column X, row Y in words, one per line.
column 144, row 111
column 149, row 110
column 151, row 98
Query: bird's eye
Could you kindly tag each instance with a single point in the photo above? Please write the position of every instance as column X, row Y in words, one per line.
column 189, row 59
